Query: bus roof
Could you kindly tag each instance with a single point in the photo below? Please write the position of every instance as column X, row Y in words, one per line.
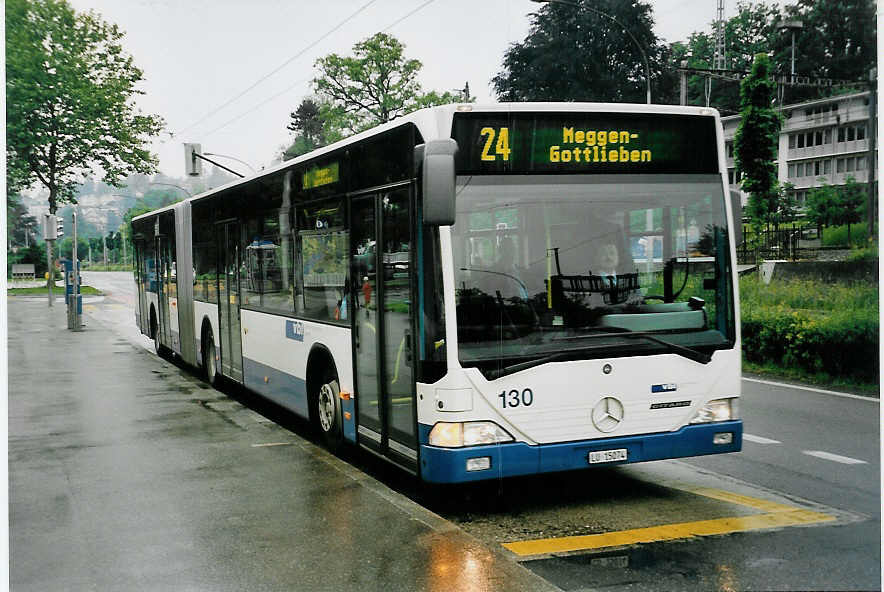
column 435, row 123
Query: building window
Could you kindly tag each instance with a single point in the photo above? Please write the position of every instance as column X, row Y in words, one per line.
column 791, row 170
column 801, row 140
column 827, row 167
column 841, row 135
column 860, row 163
column 851, row 134
column 817, row 168
column 839, row 165
column 818, row 138
column 827, row 136
column 860, row 132
column 850, row 164
column 791, row 141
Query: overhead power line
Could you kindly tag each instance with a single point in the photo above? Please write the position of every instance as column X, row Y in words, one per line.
column 303, row 80
column 281, row 66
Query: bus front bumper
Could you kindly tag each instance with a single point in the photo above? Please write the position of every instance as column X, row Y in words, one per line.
column 450, row 465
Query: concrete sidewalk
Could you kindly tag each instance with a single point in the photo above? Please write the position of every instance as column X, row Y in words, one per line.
column 128, row 473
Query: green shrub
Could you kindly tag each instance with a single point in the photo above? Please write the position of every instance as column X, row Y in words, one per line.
column 869, row 253
column 836, row 236
column 816, row 327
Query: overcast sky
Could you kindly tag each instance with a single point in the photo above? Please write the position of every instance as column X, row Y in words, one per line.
column 199, row 55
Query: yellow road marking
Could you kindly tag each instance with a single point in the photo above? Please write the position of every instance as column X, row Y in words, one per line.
column 776, row 516
column 667, row 532
column 736, row 498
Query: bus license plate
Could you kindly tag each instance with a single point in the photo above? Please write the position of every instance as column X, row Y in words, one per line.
column 605, row 456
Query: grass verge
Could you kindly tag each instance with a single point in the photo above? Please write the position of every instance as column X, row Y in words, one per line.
column 43, row 291
column 819, row 380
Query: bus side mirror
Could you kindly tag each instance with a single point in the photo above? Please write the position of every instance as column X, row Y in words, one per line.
column 436, row 159
column 737, row 211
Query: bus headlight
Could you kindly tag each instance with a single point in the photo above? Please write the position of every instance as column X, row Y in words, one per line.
column 469, row 433
column 718, row 410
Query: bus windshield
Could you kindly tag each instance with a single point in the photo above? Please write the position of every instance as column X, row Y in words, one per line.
column 580, row 267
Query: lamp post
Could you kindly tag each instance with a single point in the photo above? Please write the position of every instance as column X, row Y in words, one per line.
column 232, row 158
column 792, row 26
column 622, row 26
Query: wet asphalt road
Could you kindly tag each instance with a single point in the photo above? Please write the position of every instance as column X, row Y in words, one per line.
column 126, row 472
column 811, row 448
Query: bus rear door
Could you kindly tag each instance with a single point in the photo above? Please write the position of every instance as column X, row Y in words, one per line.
column 228, row 300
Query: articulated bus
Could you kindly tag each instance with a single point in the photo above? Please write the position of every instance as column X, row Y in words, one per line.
column 472, row 292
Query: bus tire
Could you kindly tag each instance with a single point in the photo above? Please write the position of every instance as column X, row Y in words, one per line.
column 155, row 333
column 210, row 359
column 328, row 412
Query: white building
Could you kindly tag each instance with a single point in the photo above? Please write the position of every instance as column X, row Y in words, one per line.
column 821, row 142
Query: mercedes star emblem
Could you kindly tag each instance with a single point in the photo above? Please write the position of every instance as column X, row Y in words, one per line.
column 607, row 414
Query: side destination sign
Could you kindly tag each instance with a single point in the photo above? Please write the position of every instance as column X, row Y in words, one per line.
column 319, row 176
column 606, row 143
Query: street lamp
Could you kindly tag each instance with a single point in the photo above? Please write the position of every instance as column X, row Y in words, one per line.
column 791, row 26
column 231, row 158
column 622, row 26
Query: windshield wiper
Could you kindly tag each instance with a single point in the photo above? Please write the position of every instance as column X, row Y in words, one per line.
column 691, row 354
column 529, row 364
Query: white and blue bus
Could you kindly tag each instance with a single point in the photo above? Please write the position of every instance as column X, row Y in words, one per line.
column 472, row 292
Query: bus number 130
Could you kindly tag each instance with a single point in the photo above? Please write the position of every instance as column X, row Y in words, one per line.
column 514, row 398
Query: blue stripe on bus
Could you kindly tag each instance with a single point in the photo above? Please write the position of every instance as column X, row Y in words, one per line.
column 448, row 465
column 280, row 387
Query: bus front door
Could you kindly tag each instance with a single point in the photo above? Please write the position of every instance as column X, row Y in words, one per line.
column 228, row 300
column 380, row 238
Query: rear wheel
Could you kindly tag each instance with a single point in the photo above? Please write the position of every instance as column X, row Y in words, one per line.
column 210, row 360
column 328, row 413
column 155, row 334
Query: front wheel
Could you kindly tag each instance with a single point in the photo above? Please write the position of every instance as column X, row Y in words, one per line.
column 328, row 413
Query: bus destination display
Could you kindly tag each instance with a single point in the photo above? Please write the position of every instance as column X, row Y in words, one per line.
column 584, row 143
column 319, row 176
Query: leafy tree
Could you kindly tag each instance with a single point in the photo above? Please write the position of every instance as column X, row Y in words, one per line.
column 70, row 90
column 822, row 205
column 19, row 222
column 829, row 205
column 751, row 31
column 574, row 53
column 755, row 142
column 787, row 205
column 851, row 203
column 66, row 247
column 838, row 40
column 312, row 129
column 375, row 85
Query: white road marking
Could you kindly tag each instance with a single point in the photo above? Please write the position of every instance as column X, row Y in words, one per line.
column 835, row 457
column 813, row 390
column 759, row 439
column 271, row 444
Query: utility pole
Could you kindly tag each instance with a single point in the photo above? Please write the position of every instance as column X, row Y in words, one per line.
column 719, row 58
column 74, row 321
column 872, row 135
